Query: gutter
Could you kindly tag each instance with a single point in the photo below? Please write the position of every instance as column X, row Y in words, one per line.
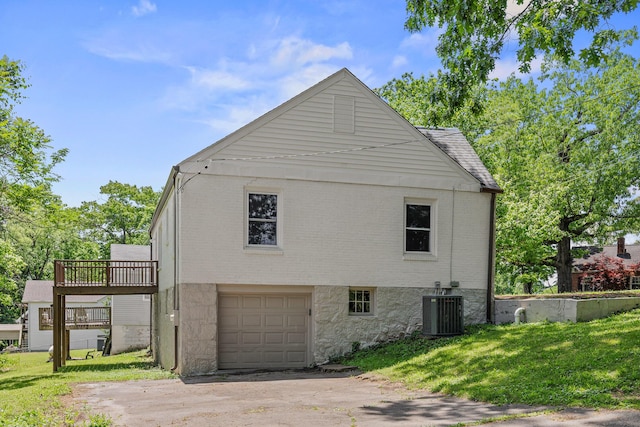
column 177, row 180
column 491, row 259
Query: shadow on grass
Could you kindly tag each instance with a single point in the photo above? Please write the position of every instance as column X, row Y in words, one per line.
column 100, row 367
column 595, row 364
column 18, row 382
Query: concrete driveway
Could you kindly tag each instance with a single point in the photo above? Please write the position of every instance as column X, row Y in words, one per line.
column 306, row 398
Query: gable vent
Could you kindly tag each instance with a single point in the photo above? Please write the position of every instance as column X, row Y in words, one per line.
column 344, row 114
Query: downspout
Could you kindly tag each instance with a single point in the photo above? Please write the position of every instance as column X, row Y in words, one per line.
column 518, row 315
column 177, row 188
column 151, row 296
column 491, row 258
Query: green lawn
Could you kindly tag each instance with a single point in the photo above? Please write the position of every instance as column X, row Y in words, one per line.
column 30, row 391
column 593, row 364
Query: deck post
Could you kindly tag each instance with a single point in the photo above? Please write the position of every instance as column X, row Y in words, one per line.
column 63, row 328
column 56, row 344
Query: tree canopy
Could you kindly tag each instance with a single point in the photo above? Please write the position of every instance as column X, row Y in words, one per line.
column 476, row 31
column 565, row 151
column 124, row 217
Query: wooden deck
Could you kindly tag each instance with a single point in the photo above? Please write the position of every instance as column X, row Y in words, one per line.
column 77, row 318
column 96, row 277
column 105, row 277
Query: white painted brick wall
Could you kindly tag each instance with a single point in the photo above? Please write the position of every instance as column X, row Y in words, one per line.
column 333, row 234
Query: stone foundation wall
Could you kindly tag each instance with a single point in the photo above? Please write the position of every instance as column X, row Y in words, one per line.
column 198, row 322
column 397, row 313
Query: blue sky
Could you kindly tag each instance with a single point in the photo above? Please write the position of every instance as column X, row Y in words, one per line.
column 134, row 87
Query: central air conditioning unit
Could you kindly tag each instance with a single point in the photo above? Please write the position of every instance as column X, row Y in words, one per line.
column 442, row 315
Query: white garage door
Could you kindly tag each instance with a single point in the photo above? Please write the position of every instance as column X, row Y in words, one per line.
column 263, row 330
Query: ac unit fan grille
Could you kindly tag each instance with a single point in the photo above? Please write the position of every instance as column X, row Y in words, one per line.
column 442, row 315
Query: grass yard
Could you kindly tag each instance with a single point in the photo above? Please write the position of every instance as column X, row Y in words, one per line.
column 593, row 364
column 30, row 392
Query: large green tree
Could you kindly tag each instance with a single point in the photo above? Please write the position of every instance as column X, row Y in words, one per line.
column 476, row 31
column 27, row 160
column 124, row 217
column 48, row 232
column 566, row 152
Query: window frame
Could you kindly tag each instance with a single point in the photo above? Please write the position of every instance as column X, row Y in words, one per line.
column 371, row 302
column 634, row 281
column 277, row 220
column 433, row 208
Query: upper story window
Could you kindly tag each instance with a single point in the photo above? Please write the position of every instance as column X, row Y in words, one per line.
column 262, row 219
column 417, row 227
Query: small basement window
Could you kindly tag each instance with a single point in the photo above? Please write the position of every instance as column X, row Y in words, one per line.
column 360, row 301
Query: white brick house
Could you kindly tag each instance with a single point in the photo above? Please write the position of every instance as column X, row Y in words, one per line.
column 319, row 225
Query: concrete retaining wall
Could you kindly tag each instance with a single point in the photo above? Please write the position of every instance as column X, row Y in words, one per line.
column 562, row 309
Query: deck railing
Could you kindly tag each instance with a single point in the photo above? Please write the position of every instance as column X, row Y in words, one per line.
column 77, row 317
column 106, row 273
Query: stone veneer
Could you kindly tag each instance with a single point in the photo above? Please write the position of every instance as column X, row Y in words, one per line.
column 198, row 350
column 397, row 313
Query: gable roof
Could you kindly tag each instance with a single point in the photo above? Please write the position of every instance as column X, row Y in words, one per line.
column 384, row 149
column 42, row 291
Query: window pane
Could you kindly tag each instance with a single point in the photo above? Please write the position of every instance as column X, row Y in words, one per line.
column 417, row 241
column 359, row 301
column 418, row 216
column 262, row 233
column 263, row 206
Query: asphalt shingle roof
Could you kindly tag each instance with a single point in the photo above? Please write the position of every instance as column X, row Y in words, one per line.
column 456, row 146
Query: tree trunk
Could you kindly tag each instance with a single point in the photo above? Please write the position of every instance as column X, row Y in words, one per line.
column 563, row 265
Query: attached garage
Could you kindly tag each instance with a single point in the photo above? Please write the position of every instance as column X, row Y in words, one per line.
column 263, row 330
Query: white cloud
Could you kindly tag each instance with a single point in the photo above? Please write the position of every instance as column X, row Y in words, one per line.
column 424, row 41
column 217, row 79
column 292, row 83
column 144, row 7
column 399, row 61
column 505, row 67
column 299, row 52
column 253, row 79
column 235, row 116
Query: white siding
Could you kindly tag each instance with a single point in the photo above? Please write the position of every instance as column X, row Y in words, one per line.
column 303, row 141
column 130, row 314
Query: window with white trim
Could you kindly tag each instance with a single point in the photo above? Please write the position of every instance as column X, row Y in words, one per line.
column 634, row 282
column 360, row 301
column 417, row 227
column 262, row 223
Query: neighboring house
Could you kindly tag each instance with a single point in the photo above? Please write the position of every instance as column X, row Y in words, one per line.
column 627, row 255
column 10, row 335
column 130, row 314
column 39, row 294
column 315, row 229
